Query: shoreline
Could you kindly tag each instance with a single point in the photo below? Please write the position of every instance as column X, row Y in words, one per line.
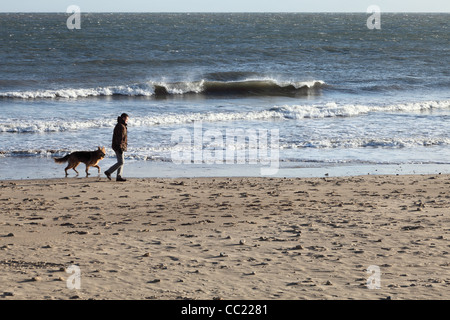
column 233, row 238
column 44, row 168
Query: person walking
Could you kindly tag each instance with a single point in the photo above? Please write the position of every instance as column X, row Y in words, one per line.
column 119, row 145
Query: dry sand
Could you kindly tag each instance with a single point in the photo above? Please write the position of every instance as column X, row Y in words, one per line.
column 227, row 238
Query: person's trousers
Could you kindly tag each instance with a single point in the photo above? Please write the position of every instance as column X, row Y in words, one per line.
column 118, row 165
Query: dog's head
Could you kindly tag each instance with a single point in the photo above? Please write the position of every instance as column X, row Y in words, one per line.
column 102, row 152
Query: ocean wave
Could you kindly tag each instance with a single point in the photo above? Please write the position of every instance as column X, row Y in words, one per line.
column 348, row 110
column 71, row 93
column 40, row 153
column 262, row 87
column 163, row 152
column 286, row 112
column 41, row 126
column 389, row 143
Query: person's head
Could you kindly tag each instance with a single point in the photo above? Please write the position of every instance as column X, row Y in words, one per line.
column 124, row 117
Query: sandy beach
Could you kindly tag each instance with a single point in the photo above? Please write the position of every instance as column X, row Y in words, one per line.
column 226, row 238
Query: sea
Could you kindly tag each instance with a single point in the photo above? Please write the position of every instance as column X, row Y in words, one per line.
column 304, row 94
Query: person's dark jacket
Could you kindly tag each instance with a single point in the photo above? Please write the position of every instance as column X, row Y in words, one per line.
column 120, row 140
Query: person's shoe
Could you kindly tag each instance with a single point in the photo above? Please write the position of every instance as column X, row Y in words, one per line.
column 108, row 175
column 119, row 178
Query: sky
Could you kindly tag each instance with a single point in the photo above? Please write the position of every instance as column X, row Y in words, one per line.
column 225, row 5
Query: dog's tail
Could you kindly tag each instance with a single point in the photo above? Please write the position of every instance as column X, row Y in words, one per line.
column 62, row 160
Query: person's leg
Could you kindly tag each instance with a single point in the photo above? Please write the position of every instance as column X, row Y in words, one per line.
column 117, row 166
column 120, row 161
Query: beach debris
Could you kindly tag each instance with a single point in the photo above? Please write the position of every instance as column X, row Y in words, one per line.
column 155, row 281
column 408, row 228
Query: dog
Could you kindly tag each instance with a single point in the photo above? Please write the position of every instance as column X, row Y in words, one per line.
column 89, row 158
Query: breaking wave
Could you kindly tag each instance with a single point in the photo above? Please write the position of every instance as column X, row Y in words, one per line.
column 348, row 110
column 163, row 152
column 258, row 87
column 389, row 143
column 286, row 112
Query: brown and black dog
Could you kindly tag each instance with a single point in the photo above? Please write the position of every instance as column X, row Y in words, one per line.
column 89, row 158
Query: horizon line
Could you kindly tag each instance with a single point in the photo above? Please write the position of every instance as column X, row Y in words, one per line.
column 195, row 12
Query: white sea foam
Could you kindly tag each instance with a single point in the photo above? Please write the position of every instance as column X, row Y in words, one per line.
column 39, row 126
column 348, row 110
column 71, row 93
column 276, row 113
column 392, row 143
column 163, row 152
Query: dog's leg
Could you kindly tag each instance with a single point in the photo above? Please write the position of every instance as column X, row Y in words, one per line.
column 74, row 168
column 66, row 170
column 87, row 173
column 97, row 168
